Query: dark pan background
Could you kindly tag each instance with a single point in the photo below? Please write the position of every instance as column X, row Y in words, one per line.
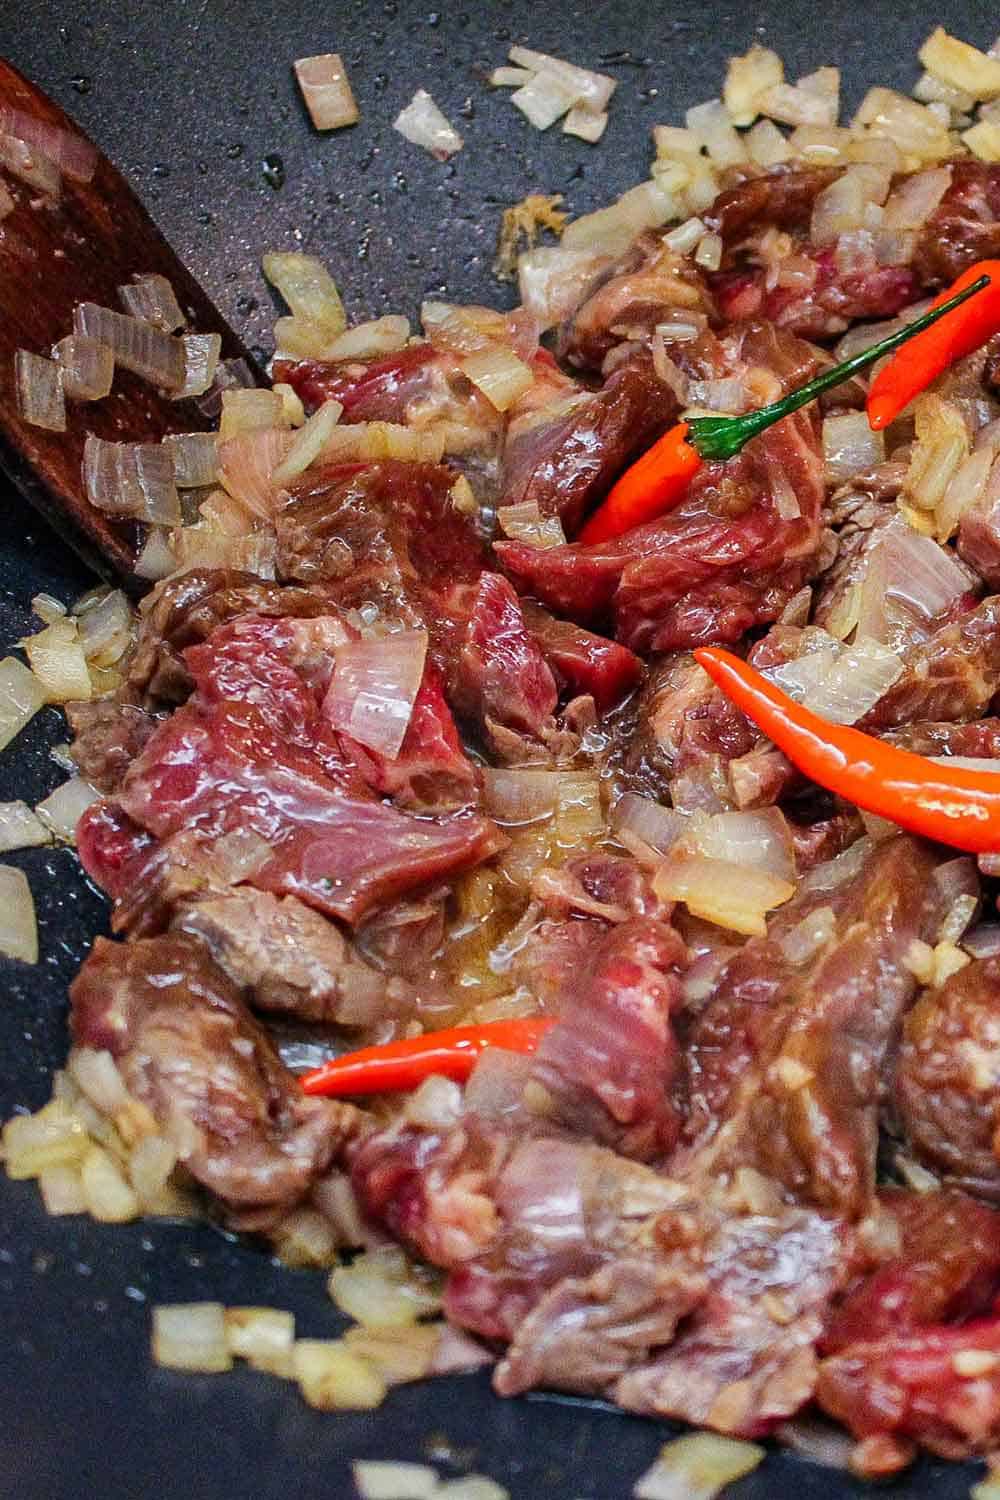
column 189, row 97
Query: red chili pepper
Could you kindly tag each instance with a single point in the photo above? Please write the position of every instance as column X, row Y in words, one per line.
column 955, row 336
column 400, row 1066
column 659, row 479
column 953, row 805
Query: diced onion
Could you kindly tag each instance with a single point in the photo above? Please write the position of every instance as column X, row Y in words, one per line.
column 18, row 927
column 30, row 165
column 544, row 99
column 291, row 402
column 766, row 144
column 472, row 1487
column 586, row 124
column 380, row 1479
column 849, row 446
column 964, row 490
column 423, row 124
column 249, row 411
column 152, row 298
column 840, row 683
column 373, row 441
column 724, row 894
column 368, row 340
column 308, row 442
column 911, row 204
column 983, row 941
column 300, row 339
column 726, row 395
column 58, row 662
column 911, row 126
column 374, row 686
column 748, row 77
column 263, row 1336
column 685, row 237
column 552, row 279
column 593, row 89
column 326, row 91
column 817, row 1440
column 509, row 78
column 40, row 391
column 63, row 808
column 195, row 457
column 710, row 124
column 708, row 255
column 55, row 1136
column 137, row 346
column 109, row 1197
column 983, row 140
column 697, row 1467
column 156, row 559
column 331, row 1378
column 912, row 569
column 96, row 1074
column 610, row 231
column 131, row 479
column 378, row 1290
column 105, row 629
column 304, row 1239
column 656, row 826
column 308, row 288
column 525, row 523
column 88, row 367
column 19, row 828
column 21, row 696
column 794, row 105
column 807, row 937
column 201, row 360
column 62, row 1190
column 191, row 1336
column 437, row 1103
column 941, row 448
column 72, row 153
column 247, row 464
column 753, row 840
column 515, row 797
column 960, row 65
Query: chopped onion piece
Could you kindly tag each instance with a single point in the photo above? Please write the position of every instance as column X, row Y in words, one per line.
column 754, row 840
column 326, row 91
column 795, row 105
column 593, row 89
column 249, row 411
column 552, row 278
column 911, row 126
column 611, row 230
column 964, row 490
column 657, row 826
column 379, row 1290
column 61, row 1190
column 849, row 446
column 712, row 127
column 191, row 1336
column 40, row 391
column 375, row 683
column 30, row 165
column 72, row 153
column 379, row 1479
column 367, row 340
column 510, row 78
column 137, row 346
column 21, row 696
column 308, row 442
column 697, row 1467
column 201, row 360
column 983, row 140
column 747, row 78
column 525, row 523
column 724, row 894
column 131, row 479
column 151, row 297
column 961, row 66
column 300, row 338
column 422, row 123
column 544, row 99
column 19, row 828
column 18, row 928
column 105, row 629
column 499, row 374
column 155, row 560
column 472, row 1487
column 291, row 402
column 840, row 683
column 586, row 124
column 685, row 237
column 195, row 457
column 63, row 808
column 331, row 1378
column 87, row 365
column 308, row 288
column 58, row 663
column 709, row 252
column 515, row 797
column 916, row 198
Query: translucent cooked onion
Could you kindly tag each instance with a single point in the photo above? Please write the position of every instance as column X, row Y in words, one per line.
column 552, row 280
column 374, row 686
column 263, row 1336
column 40, row 391
column 515, row 797
column 191, row 1336
column 87, row 365
column 849, row 446
column 472, row 1487
column 326, row 91
column 137, row 346
column 62, row 1191
column 249, row 411
column 18, row 927
column 911, row 126
column 21, row 696
column 304, row 1239
column 373, row 441
column 368, row 340
column 58, row 663
column 915, row 199
column 710, row 124
column 807, row 937
column 308, row 443
column 19, row 828
column 30, row 165
column 379, row 1479
column 462, row 330
column 593, row 89
column 656, row 826
column 195, row 457
column 332, row 1378
column 708, row 255
column 724, row 894
column 544, row 98
column 156, row 559
column 131, row 479
column 685, row 237
column 246, row 466
column 295, row 413
column 525, row 523
column 795, row 105
column 961, row 66
column 308, row 288
column 151, row 297
column 423, row 124
column 766, row 144
column 697, row 1467
column 913, row 570
column 62, row 809
column 610, row 231
column 726, row 395
column 105, row 629
column 840, row 683
column 201, row 359
column 96, row 1075
column 72, row 153
column 756, row 840
column 509, row 78
column 747, row 78
column 818, row 1440
column 586, row 124
column 379, row 1290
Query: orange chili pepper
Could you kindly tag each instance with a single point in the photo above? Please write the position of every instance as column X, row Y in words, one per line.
column 953, row 805
column 400, row 1066
column 923, row 360
column 658, row 480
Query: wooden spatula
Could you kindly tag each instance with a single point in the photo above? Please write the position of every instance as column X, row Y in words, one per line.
column 53, row 255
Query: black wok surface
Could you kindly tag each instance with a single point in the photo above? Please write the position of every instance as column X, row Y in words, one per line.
column 195, row 101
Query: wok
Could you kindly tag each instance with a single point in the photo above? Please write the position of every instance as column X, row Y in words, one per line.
column 196, row 103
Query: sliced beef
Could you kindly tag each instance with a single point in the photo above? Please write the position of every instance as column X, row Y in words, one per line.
column 373, row 390
column 501, row 677
column 978, row 539
column 583, row 662
column 946, row 1268
column 107, row 737
column 189, row 1050
column 952, row 674
column 965, row 226
column 290, row 960
column 980, row 738
column 948, row 1079
column 565, row 457
column 786, row 1062
column 782, row 198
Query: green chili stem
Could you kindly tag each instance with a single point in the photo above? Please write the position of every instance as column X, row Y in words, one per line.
column 722, row 437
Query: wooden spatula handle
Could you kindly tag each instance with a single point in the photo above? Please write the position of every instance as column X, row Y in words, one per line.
column 53, row 255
